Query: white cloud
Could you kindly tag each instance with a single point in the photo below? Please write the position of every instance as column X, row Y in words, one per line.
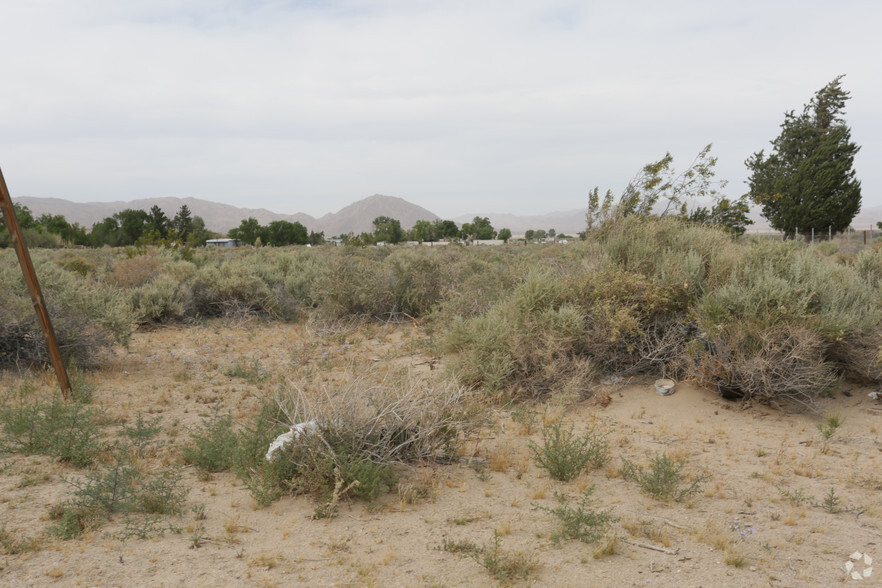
column 457, row 106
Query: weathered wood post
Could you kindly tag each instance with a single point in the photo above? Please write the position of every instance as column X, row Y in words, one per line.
column 30, row 278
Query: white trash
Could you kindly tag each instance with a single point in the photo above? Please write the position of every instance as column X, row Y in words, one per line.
column 297, row 431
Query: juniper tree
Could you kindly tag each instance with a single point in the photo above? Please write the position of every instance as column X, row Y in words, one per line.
column 807, row 181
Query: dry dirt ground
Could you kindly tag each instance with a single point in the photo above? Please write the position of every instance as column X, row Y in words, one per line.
column 759, row 520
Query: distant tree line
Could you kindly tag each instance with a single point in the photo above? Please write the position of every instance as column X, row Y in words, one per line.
column 124, row 228
column 389, row 230
column 278, row 233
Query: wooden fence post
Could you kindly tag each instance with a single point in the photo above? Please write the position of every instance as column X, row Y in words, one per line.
column 30, row 278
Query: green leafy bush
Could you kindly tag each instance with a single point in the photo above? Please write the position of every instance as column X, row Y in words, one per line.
column 564, row 455
column 579, row 521
column 663, row 478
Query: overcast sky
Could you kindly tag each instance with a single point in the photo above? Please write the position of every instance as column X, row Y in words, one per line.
column 458, row 106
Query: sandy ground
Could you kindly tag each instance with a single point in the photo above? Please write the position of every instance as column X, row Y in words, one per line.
column 759, row 519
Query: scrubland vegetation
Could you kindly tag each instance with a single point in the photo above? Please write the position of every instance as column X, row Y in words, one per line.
column 511, row 328
column 778, row 322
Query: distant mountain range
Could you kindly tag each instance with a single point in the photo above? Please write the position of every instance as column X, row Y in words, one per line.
column 356, row 218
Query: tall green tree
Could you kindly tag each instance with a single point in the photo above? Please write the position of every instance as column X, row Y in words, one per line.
column 423, row 230
column 807, row 181
column 158, row 221
column 479, row 229
column 281, row 232
column 132, row 224
column 504, row 234
column 388, row 229
column 445, row 229
column 183, row 223
column 248, row 231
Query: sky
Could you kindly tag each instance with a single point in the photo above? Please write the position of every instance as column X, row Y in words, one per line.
column 458, row 106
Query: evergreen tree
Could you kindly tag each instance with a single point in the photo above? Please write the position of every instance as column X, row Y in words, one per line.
column 183, row 223
column 158, row 221
column 807, row 181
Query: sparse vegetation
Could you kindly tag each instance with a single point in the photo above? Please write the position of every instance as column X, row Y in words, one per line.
column 578, row 521
column 564, row 455
column 663, row 477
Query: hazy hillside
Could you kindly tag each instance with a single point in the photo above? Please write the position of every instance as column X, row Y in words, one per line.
column 355, row 218
column 564, row 222
column 217, row 217
column 358, row 217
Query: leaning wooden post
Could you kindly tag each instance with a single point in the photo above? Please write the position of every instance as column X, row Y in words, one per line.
column 30, row 278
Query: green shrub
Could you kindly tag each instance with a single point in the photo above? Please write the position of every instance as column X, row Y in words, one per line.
column 526, row 344
column 579, row 521
column 564, row 455
column 66, row 431
column 162, row 300
column 120, row 487
column 663, row 478
column 214, row 444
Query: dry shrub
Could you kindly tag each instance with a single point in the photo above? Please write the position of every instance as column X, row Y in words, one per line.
column 354, row 285
column 633, row 324
column 88, row 318
column 782, row 365
column 384, row 418
column 860, row 356
column 134, row 272
column 230, row 289
column 526, row 345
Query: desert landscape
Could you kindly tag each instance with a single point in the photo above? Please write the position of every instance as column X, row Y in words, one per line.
column 455, row 416
column 780, row 503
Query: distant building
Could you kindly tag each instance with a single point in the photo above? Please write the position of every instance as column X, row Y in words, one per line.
column 223, row 243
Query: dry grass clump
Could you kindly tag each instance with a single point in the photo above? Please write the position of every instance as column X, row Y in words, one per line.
column 361, row 427
column 387, row 418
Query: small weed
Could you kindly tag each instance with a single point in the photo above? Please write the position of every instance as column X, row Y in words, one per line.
column 251, row 371
column 579, row 521
column 796, row 497
column 120, row 488
column 480, row 467
column 831, row 422
column 831, row 501
column 564, row 455
column 504, row 566
column 14, row 543
column 452, row 546
column 142, row 433
column 526, row 417
column 648, row 530
column 735, row 558
column 663, row 478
